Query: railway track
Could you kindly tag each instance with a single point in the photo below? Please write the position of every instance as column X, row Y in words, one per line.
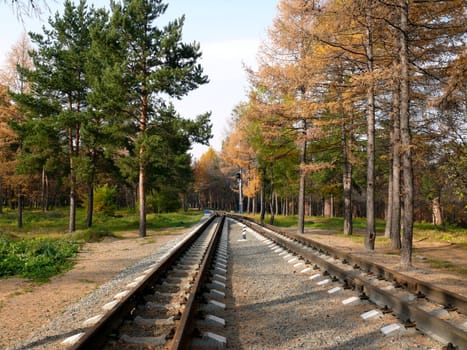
column 168, row 306
column 437, row 313
column 179, row 303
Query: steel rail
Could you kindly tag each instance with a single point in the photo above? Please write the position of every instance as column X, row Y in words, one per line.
column 405, row 310
column 411, row 284
column 184, row 333
column 96, row 336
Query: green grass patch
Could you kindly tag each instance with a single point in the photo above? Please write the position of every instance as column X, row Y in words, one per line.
column 42, row 248
column 125, row 221
column 449, row 234
column 36, row 222
column 440, row 264
column 335, row 224
column 173, row 220
column 37, row 259
column 447, row 265
column 422, row 231
column 93, row 234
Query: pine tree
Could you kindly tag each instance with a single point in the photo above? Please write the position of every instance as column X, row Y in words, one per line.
column 155, row 63
column 58, row 86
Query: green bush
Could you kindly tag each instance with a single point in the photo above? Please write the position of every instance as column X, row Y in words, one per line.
column 37, row 259
column 164, row 201
column 93, row 234
column 104, row 200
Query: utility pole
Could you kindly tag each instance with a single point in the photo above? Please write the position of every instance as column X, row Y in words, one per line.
column 240, row 194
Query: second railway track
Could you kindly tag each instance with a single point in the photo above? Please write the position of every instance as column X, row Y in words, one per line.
column 434, row 311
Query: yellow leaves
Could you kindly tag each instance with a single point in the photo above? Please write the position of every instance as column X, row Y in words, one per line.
column 10, row 80
column 455, row 90
column 17, row 56
column 315, row 167
column 208, row 157
column 252, row 181
column 7, row 135
column 7, row 113
column 204, row 167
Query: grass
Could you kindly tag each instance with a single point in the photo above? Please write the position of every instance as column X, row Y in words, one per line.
column 42, row 248
column 36, row 223
column 439, row 234
column 422, row 231
column 440, row 264
column 319, row 222
column 36, row 258
column 443, row 264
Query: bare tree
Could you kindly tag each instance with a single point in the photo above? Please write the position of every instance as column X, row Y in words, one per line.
column 17, row 56
column 25, row 8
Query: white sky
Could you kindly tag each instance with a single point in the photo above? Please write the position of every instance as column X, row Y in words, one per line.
column 229, row 32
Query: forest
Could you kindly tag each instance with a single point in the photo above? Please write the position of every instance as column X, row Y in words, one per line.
column 86, row 111
column 357, row 109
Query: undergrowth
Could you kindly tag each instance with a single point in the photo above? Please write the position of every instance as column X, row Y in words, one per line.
column 37, row 259
column 42, row 248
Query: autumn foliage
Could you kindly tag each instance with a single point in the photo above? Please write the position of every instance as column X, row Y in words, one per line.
column 353, row 106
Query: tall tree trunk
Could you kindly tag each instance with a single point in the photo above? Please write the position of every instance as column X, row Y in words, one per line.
column 91, row 190
column 388, row 209
column 347, row 180
column 72, row 217
column 262, row 204
column 184, row 201
column 310, row 199
column 346, row 144
column 396, row 173
column 271, row 198
column 72, row 214
column 370, row 185
column 292, row 206
column 276, row 203
column 301, row 191
column 407, row 222
column 328, row 206
column 142, row 168
column 1, row 196
column 436, row 211
column 272, row 210
column 332, row 205
column 43, row 189
column 240, row 193
column 90, row 204
column 46, row 198
column 142, row 197
column 20, row 209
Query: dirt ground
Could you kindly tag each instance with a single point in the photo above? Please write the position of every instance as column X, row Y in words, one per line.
column 26, row 306
column 99, row 262
column 426, row 255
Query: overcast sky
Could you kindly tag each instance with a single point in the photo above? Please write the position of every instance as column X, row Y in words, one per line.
column 229, row 32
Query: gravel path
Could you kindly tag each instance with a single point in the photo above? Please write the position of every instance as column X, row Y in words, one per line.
column 273, row 305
